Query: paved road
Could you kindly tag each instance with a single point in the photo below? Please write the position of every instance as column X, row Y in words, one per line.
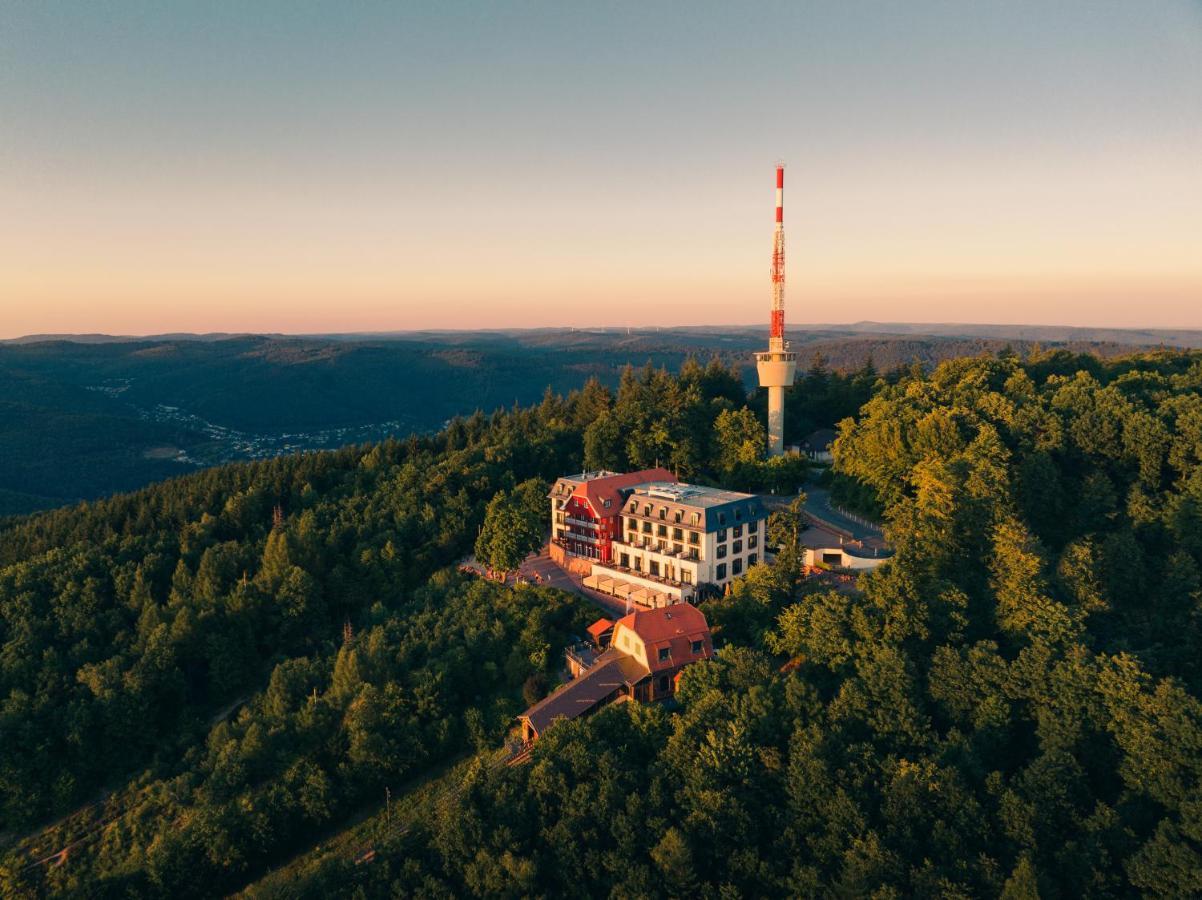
column 818, row 504
column 822, row 514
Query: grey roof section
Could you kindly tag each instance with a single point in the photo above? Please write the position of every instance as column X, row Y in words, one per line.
column 690, row 498
column 612, row 671
column 821, row 439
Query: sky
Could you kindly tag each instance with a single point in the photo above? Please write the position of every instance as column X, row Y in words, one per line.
column 301, row 167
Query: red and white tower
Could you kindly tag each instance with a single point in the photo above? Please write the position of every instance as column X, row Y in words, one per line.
column 778, row 366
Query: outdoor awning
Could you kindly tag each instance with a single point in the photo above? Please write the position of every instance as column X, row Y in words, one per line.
column 640, row 595
column 605, row 584
column 622, row 589
column 591, row 581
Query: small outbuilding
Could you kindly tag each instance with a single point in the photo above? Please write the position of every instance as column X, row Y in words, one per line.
column 817, row 445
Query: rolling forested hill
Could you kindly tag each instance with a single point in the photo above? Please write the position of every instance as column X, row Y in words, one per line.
column 1010, row 707
column 83, row 418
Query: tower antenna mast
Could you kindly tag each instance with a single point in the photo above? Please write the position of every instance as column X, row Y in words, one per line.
column 778, row 366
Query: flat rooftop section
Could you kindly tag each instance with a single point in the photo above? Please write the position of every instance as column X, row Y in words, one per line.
column 716, row 507
column 588, row 476
column 694, row 496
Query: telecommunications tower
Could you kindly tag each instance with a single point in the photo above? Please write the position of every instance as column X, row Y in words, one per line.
column 778, row 366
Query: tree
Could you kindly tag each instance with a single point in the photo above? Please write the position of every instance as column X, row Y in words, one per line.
column 508, row 535
column 741, row 439
column 785, row 527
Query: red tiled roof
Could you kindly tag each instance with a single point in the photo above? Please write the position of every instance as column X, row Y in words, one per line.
column 599, row 628
column 675, row 627
column 597, row 490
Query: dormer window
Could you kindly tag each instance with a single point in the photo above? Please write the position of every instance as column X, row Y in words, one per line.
column 608, row 504
column 721, row 518
column 739, row 514
column 664, row 653
column 697, row 645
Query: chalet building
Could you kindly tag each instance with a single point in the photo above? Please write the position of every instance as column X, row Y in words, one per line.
column 585, row 512
column 639, row 658
column 676, row 539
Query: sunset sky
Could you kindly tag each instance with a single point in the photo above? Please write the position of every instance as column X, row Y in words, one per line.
column 261, row 165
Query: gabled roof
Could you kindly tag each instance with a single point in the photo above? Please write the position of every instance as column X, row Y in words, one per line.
column 612, row 671
column 594, row 488
column 673, row 627
column 820, row 439
column 598, row 490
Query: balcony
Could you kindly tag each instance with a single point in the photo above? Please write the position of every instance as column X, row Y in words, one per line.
column 582, row 655
column 587, row 523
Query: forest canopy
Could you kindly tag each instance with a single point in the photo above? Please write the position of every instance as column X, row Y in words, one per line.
column 1008, row 708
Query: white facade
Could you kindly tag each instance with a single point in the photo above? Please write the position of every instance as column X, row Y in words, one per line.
column 685, row 537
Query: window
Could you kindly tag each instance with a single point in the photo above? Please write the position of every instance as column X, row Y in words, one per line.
column 624, row 560
column 721, row 535
column 686, row 577
column 738, row 513
column 653, row 567
column 697, row 645
column 751, row 559
column 693, row 554
column 664, row 653
column 662, row 530
column 647, row 510
column 721, row 518
column 752, row 542
column 665, row 685
column 633, row 507
column 737, row 531
column 696, row 520
column 638, row 563
column 677, row 534
column 736, row 567
column 646, row 527
column 720, row 572
column 663, row 512
column 736, row 548
column 694, row 537
column 721, row 551
column 608, row 504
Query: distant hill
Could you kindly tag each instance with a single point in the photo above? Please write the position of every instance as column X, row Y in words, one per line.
column 83, row 416
column 1167, row 337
